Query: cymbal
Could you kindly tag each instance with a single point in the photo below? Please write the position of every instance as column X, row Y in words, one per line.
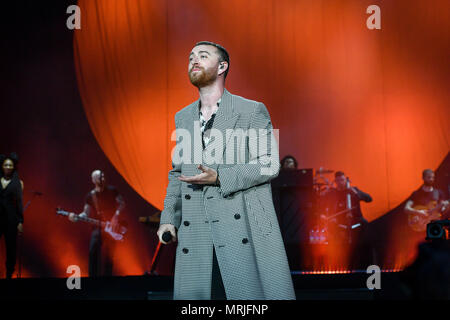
column 322, row 170
column 154, row 218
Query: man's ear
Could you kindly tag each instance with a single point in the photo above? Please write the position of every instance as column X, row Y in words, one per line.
column 223, row 67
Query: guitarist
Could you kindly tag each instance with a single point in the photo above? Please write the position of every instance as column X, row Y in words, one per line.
column 426, row 194
column 104, row 203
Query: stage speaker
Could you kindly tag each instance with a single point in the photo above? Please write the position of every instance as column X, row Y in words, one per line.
column 438, row 230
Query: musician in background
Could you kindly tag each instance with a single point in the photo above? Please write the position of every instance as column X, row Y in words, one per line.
column 103, row 203
column 11, row 208
column 425, row 195
column 336, row 201
column 288, row 163
column 349, row 227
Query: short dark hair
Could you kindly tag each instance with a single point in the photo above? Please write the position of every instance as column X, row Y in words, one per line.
column 223, row 53
column 424, row 172
column 289, row 157
column 338, row 174
column 12, row 156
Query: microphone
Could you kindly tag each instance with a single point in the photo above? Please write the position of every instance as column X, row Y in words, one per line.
column 167, row 236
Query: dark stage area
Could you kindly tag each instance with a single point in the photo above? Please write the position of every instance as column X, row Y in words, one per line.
column 427, row 278
column 350, row 286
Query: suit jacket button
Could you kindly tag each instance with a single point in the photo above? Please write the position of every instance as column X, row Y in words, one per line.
column 244, row 241
column 186, row 223
column 185, row 250
column 237, row 216
column 187, row 197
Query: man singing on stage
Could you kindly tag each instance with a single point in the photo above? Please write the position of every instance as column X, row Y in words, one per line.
column 221, row 212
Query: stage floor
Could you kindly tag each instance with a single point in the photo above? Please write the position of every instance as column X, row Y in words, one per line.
column 347, row 286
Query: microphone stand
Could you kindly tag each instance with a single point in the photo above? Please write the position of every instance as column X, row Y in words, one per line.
column 19, row 271
column 166, row 237
column 155, row 259
column 100, row 249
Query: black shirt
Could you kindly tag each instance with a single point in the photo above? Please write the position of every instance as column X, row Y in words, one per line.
column 11, row 206
column 108, row 201
column 336, row 201
column 206, row 126
column 423, row 198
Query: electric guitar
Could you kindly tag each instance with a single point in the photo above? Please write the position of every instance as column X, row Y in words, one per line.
column 118, row 236
column 418, row 222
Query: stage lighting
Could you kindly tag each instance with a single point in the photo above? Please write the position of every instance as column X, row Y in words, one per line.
column 438, row 229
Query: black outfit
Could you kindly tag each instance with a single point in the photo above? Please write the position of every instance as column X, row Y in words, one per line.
column 421, row 197
column 11, row 214
column 341, row 232
column 101, row 247
column 217, row 287
column 410, row 238
column 336, row 201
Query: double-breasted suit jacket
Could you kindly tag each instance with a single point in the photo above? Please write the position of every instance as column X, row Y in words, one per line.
column 237, row 217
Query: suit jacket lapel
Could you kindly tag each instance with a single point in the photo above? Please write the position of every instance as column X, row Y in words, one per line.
column 225, row 119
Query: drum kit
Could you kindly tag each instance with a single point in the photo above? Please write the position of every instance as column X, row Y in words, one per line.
column 321, row 184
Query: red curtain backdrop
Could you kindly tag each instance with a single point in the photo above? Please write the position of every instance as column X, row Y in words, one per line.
column 373, row 103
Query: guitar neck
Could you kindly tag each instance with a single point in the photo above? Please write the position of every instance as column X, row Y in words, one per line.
column 84, row 219
column 92, row 221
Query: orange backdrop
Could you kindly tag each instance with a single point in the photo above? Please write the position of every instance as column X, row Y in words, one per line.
column 373, row 103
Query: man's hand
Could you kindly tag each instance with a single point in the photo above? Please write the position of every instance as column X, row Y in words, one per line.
column 73, row 217
column 20, row 228
column 164, row 228
column 352, row 189
column 115, row 223
column 422, row 212
column 208, row 176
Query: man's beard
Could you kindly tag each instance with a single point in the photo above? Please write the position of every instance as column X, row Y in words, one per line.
column 203, row 77
column 429, row 183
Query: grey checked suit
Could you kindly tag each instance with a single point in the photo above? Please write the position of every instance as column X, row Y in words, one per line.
column 237, row 217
